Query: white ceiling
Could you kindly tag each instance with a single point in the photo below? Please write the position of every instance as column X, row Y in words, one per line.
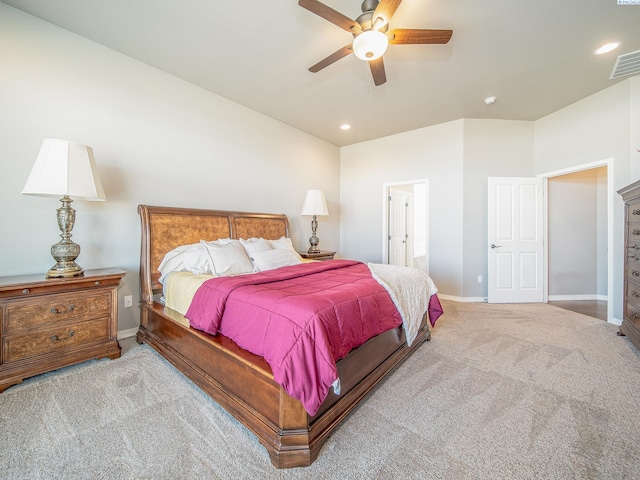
column 535, row 56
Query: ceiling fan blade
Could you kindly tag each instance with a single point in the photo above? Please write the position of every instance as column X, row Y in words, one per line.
column 414, row 36
column 328, row 13
column 384, row 10
column 334, row 57
column 377, row 70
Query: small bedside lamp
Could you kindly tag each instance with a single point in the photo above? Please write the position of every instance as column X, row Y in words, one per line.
column 67, row 169
column 314, row 204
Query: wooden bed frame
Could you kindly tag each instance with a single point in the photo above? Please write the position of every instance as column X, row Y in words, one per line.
column 240, row 381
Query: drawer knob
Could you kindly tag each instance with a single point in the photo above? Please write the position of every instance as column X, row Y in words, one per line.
column 635, row 231
column 54, row 338
column 635, row 316
column 97, row 282
column 26, row 290
column 635, row 294
column 635, row 211
column 70, row 308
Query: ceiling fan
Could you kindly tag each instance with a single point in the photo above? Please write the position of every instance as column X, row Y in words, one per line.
column 371, row 34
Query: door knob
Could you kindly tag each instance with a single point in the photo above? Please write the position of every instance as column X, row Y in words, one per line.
column 493, row 245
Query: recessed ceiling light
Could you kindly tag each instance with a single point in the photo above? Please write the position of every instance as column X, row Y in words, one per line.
column 489, row 100
column 345, row 127
column 607, row 47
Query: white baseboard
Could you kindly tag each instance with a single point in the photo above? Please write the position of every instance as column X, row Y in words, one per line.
column 588, row 296
column 453, row 298
column 130, row 332
column 616, row 321
column 552, row 298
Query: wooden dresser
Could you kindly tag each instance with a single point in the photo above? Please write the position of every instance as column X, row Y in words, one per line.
column 55, row 322
column 631, row 320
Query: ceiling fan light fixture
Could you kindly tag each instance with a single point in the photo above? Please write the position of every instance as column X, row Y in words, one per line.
column 370, row 45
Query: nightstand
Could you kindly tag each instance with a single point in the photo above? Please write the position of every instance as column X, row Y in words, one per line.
column 49, row 323
column 322, row 255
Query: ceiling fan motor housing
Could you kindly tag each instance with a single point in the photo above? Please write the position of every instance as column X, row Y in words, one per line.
column 366, row 19
column 369, row 5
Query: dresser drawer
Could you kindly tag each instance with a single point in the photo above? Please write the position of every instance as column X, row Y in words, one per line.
column 633, row 210
column 633, row 251
column 633, row 232
column 24, row 314
column 633, row 313
column 633, row 271
column 19, row 346
column 633, row 292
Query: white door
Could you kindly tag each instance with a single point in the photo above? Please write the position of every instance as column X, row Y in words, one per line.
column 398, row 233
column 515, row 243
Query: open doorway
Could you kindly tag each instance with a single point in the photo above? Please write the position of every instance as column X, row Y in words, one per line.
column 406, row 224
column 579, row 233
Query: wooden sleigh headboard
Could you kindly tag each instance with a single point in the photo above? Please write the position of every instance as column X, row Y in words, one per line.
column 165, row 228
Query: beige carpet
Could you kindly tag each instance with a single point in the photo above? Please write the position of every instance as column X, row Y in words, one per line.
column 500, row 392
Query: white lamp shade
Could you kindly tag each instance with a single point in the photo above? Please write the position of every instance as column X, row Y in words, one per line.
column 314, row 203
column 370, row 45
column 65, row 168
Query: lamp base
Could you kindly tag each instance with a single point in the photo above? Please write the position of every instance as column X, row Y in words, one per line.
column 59, row 270
column 65, row 251
column 314, row 240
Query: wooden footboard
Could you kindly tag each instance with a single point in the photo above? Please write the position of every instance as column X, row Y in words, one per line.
column 243, row 384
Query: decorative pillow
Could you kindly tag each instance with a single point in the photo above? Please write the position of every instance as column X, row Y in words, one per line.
column 228, row 259
column 253, row 245
column 270, row 259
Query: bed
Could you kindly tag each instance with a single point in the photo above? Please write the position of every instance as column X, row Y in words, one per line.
column 241, row 382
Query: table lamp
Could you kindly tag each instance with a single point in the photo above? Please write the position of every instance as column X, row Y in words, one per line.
column 68, row 169
column 314, row 204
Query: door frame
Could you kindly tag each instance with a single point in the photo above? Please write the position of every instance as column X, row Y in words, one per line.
column 608, row 162
column 385, row 215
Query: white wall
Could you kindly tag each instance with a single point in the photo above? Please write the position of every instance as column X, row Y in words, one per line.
column 492, row 148
column 157, row 140
column 160, row 140
column 595, row 129
column 577, row 227
column 433, row 153
column 457, row 158
column 602, row 237
column 635, row 126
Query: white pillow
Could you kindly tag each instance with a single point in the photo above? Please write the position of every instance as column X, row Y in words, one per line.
column 282, row 243
column 270, row 259
column 197, row 261
column 253, row 245
column 228, row 259
column 220, row 241
column 173, row 260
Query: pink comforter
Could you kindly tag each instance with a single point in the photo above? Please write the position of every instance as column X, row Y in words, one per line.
column 302, row 319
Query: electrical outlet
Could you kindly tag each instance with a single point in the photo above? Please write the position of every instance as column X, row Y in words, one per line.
column 128, row 301
column 479, row 278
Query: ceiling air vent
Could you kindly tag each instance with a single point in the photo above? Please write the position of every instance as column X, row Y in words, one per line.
column 627, row 64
